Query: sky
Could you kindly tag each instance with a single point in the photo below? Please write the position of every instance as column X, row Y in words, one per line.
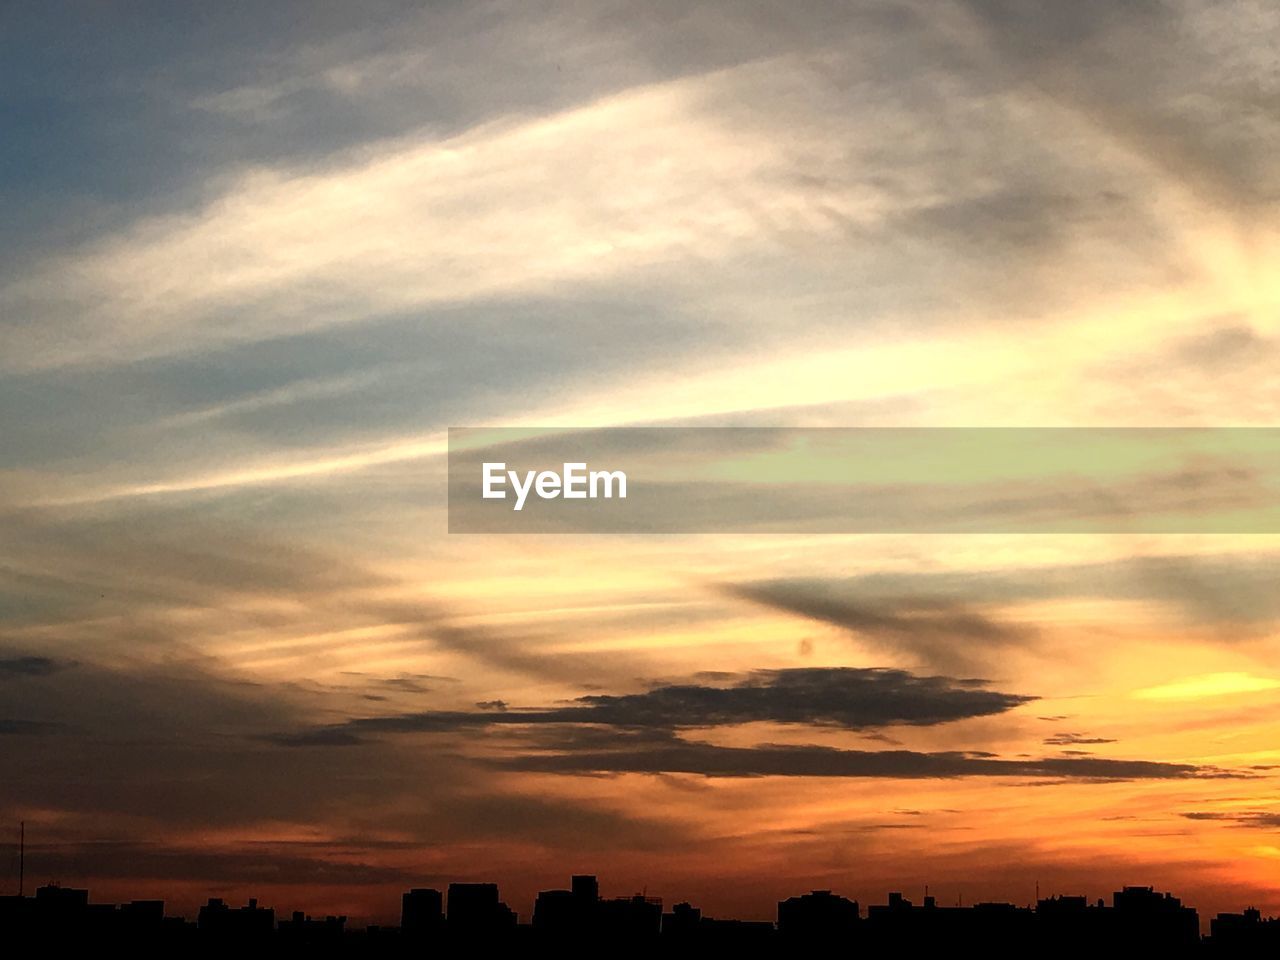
column 256, row 259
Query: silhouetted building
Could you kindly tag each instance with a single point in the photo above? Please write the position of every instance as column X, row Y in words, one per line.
column 142, row 921
column 745, row 936
column 421, row 913
column 686, row 932
column 251, row 923
column 60, row 913
column 559, row 913
column 1240, row 934
column 817, row 916
column 143, row 912
column 682, row 922
column 578, row 916
column 585, row 887
column 476, row 913
column 301, row 930
column 58, row 903
column 569, row 918
column 632, row 920
column 1147, row 920
column 999, row 928
column 1072, row 923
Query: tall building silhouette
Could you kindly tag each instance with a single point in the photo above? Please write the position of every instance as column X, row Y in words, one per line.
column 421, row 913
column 476, row 913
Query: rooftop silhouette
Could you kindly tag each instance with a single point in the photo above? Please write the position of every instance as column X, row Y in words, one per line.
column 578, row 921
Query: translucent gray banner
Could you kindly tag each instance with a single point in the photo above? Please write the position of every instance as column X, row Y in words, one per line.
column 864, row 480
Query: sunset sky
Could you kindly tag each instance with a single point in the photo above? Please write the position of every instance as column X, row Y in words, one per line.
column 256, row 259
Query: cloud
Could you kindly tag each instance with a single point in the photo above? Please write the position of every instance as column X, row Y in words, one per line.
column 319, row 227
column 917, row 611
column 1260, row 819
column 679, row 756
column 1073, row 739
column 325, row 737
column 1232, row 345
column 639, row 733
column 1163, row 98
column 939, row 632
column 484, row 201
column 364, row 184
column 850, row 698
column 28, row 728
column 523, row 653
column 29, row 666
column 244, row 863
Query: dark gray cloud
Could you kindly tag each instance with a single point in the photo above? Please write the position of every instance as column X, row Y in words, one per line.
column 940, row 632
column 251, row 864
column 851, row 698
column 14, row 727
column 941, row 617
column 679, row 756
column 854, row 698
column 1151, row 74
column 640, row 733
column 1043, row 29
column 1259, row 819
column 522, row 651
column 1074, row 739
column 1032, row 218
column 1231, row 345
column 323, row 737
column 29, row 666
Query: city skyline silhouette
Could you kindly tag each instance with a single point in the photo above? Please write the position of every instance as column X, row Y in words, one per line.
column 469, row 915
